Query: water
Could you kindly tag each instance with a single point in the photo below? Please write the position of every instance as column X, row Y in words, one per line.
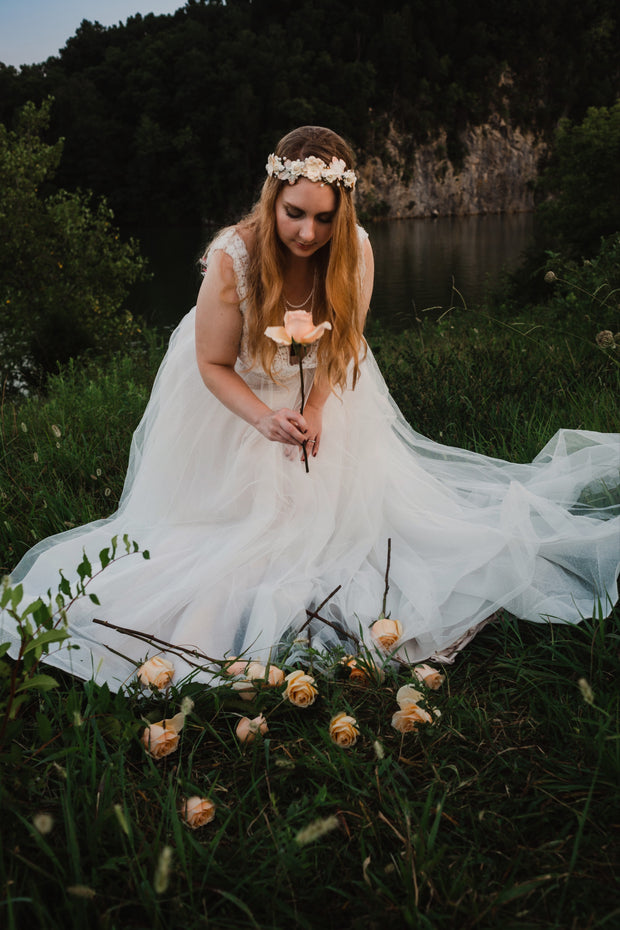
column 416, row 262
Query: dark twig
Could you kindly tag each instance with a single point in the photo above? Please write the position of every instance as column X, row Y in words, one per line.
column 181, row 651
column 312, row 614
column 387, row 576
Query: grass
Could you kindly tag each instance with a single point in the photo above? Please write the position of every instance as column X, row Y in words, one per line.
column 502, row 814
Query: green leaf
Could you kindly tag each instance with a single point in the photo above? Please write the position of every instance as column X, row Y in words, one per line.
column 84, row 569
column 16, row 595
column 43, row 639
column 39, row 683
column 44, row 726
column 104, row 557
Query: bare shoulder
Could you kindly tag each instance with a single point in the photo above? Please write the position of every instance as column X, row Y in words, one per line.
column 369, row 274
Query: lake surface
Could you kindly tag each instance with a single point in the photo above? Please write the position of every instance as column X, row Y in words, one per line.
column 416, row 264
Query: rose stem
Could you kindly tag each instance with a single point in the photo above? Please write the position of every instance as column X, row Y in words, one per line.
column 303, row 399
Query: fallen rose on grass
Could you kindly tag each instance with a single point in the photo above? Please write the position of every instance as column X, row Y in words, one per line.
column 386, row 632
column 362, row 671
column 429, row 676
column 247, row 730
column 196, row 812
column 409, row 718
column 255, row 672
column 156, row 673
column 300, row 689
column 162, row 738
column 408, row 694
column 343, row 730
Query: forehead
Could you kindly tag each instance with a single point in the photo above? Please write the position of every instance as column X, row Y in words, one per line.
column 309, row 196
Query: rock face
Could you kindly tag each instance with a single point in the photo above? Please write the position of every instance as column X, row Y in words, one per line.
column 498, row 166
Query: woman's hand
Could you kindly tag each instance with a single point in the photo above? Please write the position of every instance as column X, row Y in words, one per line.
column 314, row 425
column 287, row 426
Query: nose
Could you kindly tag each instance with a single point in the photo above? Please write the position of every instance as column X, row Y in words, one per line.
column 306, row 230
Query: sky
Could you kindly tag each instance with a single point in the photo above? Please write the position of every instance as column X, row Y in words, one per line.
column 32, row 30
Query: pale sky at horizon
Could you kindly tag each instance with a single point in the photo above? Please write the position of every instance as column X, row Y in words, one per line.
column 32, row 30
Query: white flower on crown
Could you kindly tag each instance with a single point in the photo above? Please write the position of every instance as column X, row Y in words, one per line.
column 313, row 168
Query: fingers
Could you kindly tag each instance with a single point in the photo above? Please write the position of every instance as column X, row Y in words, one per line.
column 289, row 427
column 312, row 446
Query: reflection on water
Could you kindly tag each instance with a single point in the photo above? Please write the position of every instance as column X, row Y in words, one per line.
column 415, row 262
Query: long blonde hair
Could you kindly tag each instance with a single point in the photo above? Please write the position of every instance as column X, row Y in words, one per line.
column 338, row 287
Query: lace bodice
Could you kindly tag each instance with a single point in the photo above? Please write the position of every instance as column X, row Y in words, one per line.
column 231, row 242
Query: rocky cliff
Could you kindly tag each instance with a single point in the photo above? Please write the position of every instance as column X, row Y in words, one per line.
column 495, row 174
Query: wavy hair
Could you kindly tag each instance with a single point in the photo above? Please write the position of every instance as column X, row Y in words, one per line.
column 338, row 290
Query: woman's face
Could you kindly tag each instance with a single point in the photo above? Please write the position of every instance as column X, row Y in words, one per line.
column 304, row 216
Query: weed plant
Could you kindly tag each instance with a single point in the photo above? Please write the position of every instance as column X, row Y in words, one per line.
column 501, row 814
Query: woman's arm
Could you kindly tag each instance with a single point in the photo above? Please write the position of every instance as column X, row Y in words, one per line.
column 218, row 332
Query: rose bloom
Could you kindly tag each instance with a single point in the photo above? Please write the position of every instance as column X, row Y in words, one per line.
column 409, row 717
column 156, row 673
column 408, row 695
column 275, row 676
column 162, row 738
column 343, row 730
column 362, row 673
column 298, row 327
column 247, row 729
column 300, row 689
column 245, row 689
column 605, row 339
column 197, row 812
column 429, row 676
column 386, row 632
column 236, row 667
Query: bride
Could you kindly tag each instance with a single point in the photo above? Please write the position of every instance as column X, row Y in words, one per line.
column 254, row 510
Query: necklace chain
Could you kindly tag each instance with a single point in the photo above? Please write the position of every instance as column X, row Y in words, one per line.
column 290, row 306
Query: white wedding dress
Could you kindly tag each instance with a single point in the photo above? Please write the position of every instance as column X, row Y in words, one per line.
column 242, row 540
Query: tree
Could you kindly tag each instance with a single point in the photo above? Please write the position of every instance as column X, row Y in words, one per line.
column 583, row 182
column 64, row 273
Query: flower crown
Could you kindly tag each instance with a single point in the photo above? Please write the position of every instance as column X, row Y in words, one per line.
column 312, row 168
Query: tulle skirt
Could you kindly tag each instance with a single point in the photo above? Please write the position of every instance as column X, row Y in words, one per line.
column 242, row 540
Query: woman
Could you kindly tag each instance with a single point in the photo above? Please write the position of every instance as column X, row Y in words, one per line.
column 244, row 540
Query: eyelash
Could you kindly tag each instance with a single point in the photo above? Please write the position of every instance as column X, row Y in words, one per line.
column 298, row 216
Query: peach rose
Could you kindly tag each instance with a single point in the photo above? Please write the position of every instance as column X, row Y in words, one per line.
column 298, row 327
column 386, row 632
column 275, row 676
column 236, row 667
column 409, row 717
column 244, row 689
column 429, row 676
column 196, row 812
column 300, row 689
column 363, row 672
column 162, row 738
column 408, row 695
column 247, row 729
column 156, row 673
column 343, row 730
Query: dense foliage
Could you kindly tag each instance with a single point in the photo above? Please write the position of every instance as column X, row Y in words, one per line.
column 584, row 181
column 63, row 268
column 170, row 116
